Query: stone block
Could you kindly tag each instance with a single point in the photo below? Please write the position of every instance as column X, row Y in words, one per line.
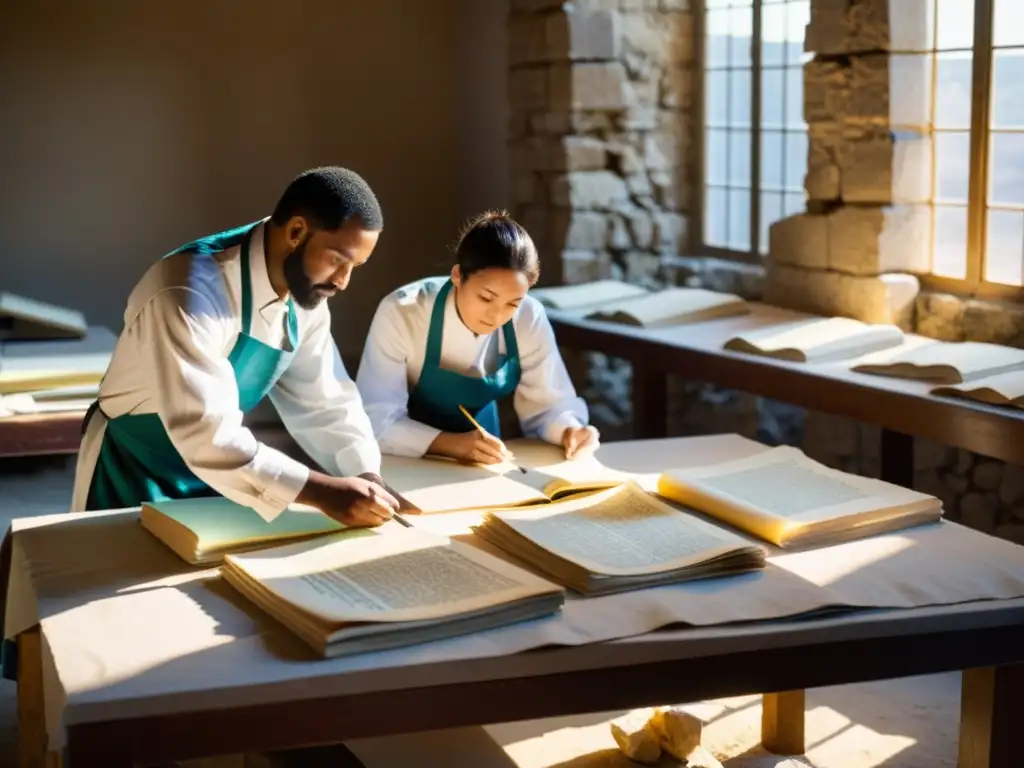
column 995, row 322
column 671, row 188
column 890, row 90
column 940, row 316
column 880, row 299
column 829, row 30
column 563, row 121
column 670, row 232
column 873, row 240
column 598, row 190
column 640, row 225
column 800, row 240
column 822, row 180
column 826, row 91
column 531, row 6
column 589, row 86
column 580, row 153
column 580, row 230
column 663, row 150
column 643, row 269
column 585, row 266
column 884, row 167
column 890, row 25
column 583, row 35
column 528, row 88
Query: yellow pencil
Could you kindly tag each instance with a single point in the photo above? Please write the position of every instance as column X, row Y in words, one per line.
column 482, row 431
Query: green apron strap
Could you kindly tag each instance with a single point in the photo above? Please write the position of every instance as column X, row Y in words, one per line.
column 246, row 277
column 435, row 335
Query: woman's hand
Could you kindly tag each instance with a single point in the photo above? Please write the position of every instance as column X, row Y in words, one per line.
column 474, row 447
column 576, row 440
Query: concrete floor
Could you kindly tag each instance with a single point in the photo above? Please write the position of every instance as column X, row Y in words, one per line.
column 909, row 723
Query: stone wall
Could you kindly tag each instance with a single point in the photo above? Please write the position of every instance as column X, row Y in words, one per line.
column 602, row 96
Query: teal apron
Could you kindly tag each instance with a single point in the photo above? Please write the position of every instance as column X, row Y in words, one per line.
column 437, row 396
column 137, row 461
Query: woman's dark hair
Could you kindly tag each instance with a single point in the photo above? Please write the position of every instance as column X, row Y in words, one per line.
column 493, row 240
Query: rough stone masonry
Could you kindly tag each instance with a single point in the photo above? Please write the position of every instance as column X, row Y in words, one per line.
column 604, row 174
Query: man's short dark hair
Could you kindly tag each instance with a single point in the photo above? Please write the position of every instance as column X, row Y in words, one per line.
column 327, row 198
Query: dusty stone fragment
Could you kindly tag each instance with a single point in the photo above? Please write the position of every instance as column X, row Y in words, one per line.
column 940, row 316
column 637, row 740
column 800, row 240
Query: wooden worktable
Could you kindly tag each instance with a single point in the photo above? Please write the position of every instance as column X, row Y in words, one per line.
column 901, row 407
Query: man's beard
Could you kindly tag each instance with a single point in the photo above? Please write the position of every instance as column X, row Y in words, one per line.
column 304, row 291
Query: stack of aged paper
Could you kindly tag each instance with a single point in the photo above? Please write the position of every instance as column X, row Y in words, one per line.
column 943, row 362
column 790, row 500
column 619, row 302
column 25, row 318
column 54, row 371
column 817, row 339
column 373, row 589
column 1005, row 389
column 616, row 540
column 203, row 531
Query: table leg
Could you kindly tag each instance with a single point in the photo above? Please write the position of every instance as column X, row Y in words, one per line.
column 782, row 722
column 650, row 402
column 31, row 715
column 897, row 451
column 989, row 725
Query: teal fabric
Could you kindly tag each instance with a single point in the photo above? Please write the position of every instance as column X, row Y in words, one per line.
column 437, row 396
column 137, row 461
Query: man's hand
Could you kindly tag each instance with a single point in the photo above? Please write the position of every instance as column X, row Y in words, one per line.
column 575, row 440
column 470, row 446
column 353, row 501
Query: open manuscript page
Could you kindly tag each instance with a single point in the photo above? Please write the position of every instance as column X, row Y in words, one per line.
column 818, row 339
column 583, row 297
column 781, row 495
column 671, row 306
column 1000, row 389
column 943, row 362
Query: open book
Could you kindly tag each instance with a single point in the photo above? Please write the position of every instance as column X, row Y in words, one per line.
column 790, row 500
column 59, row 400
column 672, row 306
column 29, row 366
column 439, row 484
column 373, row 589
column 1000, row 389
column 817, row 339
column 943, row 362
column 586, row 297
column 23, row 318
column 616, row 540
column 202, row 531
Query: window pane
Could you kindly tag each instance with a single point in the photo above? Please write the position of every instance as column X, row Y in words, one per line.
column 771, row 211
column 797, row 18
column 795, row 98
column 709, row 4
column 1008, row 89
column 740, row 97
column 716, row 210
column 795, row 202
column 773, row 35
column 717, row 97
column 1009, row 23
column 956, row 24
column 796, row 160
column 739, row 219
column 953, row 90
column 716, row 151
column 1005, row 247
column 739, row 158
column 772, row 98
column 771, row 160
column 741, row 28
column 717, row 42
column 1006, row 169
column 952, row 166
column 950, row 254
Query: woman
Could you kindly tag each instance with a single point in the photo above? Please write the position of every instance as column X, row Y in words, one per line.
column 470, row 340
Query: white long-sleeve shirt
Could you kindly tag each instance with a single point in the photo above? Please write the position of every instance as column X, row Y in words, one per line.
column 180, row 325
column 545, row 400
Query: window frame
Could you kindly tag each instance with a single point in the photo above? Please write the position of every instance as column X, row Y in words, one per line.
column 973, row 284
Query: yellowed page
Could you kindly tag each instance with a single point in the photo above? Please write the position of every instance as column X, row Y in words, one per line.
column 818, row 338
column 1001, row 389
column 582, row 472
column 14, row 382
column 403, row 574
column 442, row 485
column 945, row 362
column 782, row 489
column 671, row 306
column 622, row 531
column 593, row 294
